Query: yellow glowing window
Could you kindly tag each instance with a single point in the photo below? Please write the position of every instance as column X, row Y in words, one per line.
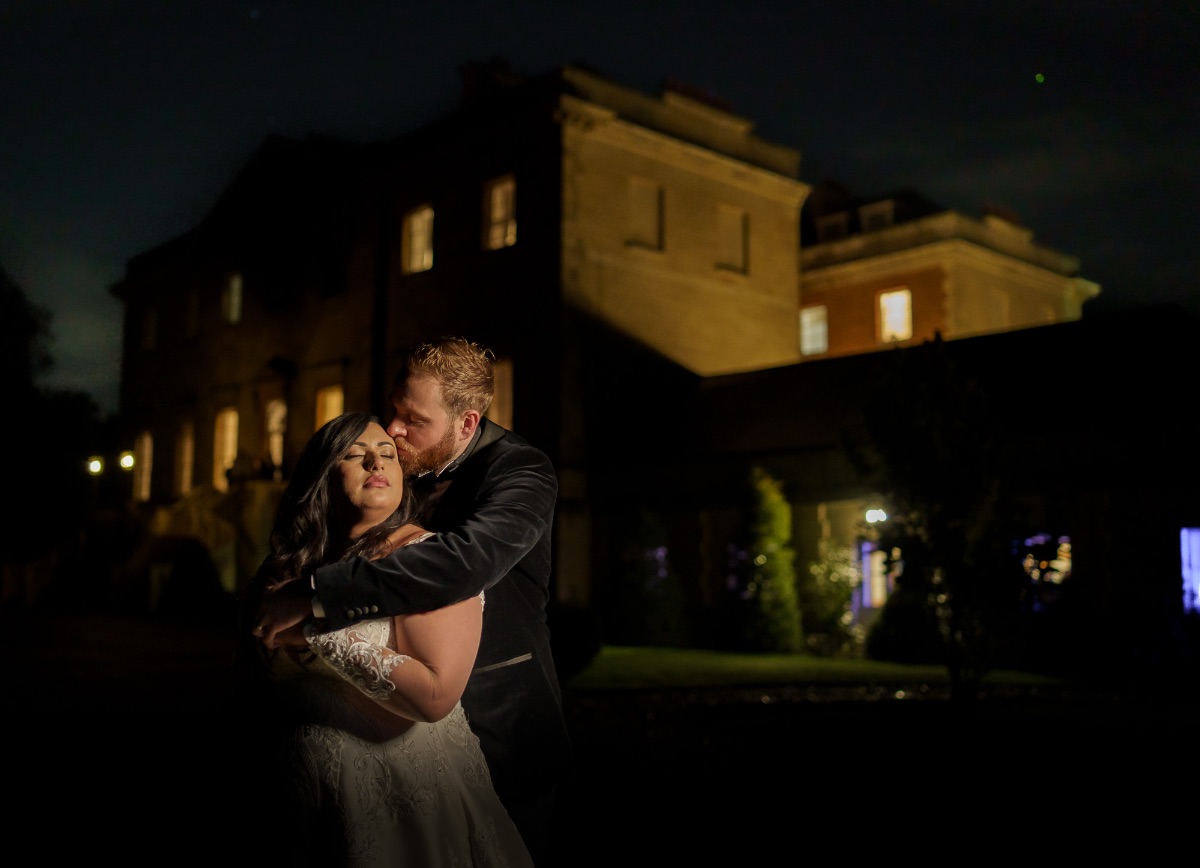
column 143, row 463
column 814, row 330
column 500, row 410
column 329, row 404
column 895, row 315
column 275, row 418
column 231, row 299
column 418, row 240
column 185, row 451
column 225, row 439
column 500, row 213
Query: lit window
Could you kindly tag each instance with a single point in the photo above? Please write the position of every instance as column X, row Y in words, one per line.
column 149, row 329
column 733, row 235
column 276, row 419
column 231, row 299
column 895, row 315
column 645, row 214
column 814, row 330
column 500, row 213
column 329, row 404
column 143, row 464
column 225, row 438
column 500, row 410
column 185, row 451
column 417, row 242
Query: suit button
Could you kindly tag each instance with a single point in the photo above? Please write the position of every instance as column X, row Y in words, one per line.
column 374, row 610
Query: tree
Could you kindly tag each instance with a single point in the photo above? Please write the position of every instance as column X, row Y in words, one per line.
column 770, row 604
column 936, row 448
column 25, row 335
column 51, row 493
column 825, row 593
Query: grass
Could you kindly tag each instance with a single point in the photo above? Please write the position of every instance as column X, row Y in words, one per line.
column 619, row 667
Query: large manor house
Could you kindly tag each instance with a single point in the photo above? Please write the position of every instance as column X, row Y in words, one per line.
column 670, row 302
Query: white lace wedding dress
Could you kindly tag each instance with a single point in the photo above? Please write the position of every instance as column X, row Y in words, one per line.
column 369, row 795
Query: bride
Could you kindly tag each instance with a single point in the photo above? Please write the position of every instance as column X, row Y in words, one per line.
column 378, row 763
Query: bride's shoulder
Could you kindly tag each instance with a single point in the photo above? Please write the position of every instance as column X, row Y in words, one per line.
column 407, row 534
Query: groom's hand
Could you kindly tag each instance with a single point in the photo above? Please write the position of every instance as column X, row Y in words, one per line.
column 281, row 615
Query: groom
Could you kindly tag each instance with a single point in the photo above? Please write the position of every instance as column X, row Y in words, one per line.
column 490, row 497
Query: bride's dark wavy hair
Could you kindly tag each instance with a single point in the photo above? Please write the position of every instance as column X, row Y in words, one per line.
column 300, row 540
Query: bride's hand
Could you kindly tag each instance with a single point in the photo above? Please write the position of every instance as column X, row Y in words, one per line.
column 281, row 614
column 293, row 637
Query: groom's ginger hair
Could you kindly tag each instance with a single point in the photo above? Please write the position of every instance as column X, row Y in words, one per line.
column 464, row 369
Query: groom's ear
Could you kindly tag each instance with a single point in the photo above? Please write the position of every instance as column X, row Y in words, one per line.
column 470, row 421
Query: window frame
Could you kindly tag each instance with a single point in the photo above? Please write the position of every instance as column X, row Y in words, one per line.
column 420, row 216
column 500, row 215
column 809, row 328
column 889, row 329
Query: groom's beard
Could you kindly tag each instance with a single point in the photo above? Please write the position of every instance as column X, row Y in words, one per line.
column 431, row 459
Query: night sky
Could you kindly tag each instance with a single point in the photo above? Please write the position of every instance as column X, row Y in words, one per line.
column 123, row 120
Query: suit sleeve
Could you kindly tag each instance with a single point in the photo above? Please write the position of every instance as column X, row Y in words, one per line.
column 514, row 510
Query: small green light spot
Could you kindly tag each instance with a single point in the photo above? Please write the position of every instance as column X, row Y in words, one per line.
column 1039, row 78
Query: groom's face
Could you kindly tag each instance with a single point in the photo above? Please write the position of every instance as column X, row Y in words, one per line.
column 426, row 436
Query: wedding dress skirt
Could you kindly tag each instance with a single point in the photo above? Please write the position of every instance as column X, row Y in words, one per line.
column 373, row 791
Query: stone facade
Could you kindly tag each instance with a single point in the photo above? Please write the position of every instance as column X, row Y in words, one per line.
column 657, row 245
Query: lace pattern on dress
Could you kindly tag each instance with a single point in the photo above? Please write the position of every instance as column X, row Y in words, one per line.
column 360, row 659
column 422, row 797
column 360, row 654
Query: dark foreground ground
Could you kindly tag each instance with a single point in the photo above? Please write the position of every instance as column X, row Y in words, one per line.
column 122, row 743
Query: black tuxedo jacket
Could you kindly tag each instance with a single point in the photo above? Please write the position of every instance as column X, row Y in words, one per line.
column 493, row 523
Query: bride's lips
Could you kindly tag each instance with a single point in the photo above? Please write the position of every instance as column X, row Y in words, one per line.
column 377, row 482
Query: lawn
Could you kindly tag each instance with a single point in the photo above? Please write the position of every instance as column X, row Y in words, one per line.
column 650, row 667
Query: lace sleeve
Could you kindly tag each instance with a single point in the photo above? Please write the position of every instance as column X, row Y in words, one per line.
column 365, row 661
column 366, row 665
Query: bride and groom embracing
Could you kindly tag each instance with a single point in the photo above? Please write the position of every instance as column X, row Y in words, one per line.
column 400, row 623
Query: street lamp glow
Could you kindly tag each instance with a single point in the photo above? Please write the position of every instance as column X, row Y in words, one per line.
column 126, row 460
column 874, row 516
column 95, row 465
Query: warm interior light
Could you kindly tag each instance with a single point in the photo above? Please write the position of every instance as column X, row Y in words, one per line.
column 876, row 515
column 126, row 460
column 95, row 465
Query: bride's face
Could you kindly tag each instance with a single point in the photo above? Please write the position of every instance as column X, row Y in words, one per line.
column 371, row 476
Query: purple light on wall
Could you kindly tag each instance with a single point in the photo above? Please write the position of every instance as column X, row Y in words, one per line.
column 1189, row 562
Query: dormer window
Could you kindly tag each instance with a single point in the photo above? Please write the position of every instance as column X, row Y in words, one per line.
column 877, row 215
column 831, row 227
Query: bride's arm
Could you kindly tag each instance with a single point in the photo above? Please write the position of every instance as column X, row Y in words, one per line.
column 424, row 685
